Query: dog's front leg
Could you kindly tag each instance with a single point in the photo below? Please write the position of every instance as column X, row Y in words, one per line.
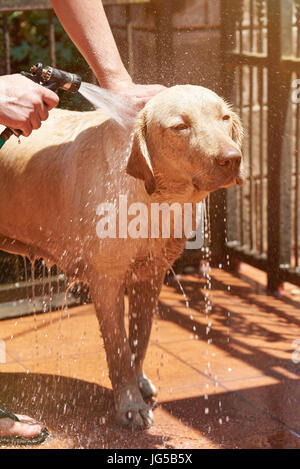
column 143, row 300
column 131, row 410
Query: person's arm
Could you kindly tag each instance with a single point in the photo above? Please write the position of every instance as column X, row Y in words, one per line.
column 23, row 103
column 86, row 24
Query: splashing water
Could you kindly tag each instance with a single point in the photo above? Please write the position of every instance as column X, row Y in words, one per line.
column 206, row 271
column 117, row 106
column 187, row 304
column 32, row 267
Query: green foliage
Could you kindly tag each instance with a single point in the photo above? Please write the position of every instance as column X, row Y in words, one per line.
column 30, row 43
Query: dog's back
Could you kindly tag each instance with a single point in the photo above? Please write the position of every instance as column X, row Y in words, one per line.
column 52, row 183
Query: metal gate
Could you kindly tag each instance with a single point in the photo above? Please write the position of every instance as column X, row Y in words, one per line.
column 259, row 223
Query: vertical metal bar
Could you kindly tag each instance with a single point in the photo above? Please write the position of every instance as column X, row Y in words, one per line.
column 258, row 206
column 6, row 37
column 250, row 149
column 260, row 78
column 297, row 4
column 51, row 27
column 296, row 24
column 274, row 145
column 251, row 24
column 297, row 152
column 219, row 215
column 279, row 160
column 287, row 136
column 261, row 157
column 297, row 187
column 229, row 91
column 240, row 12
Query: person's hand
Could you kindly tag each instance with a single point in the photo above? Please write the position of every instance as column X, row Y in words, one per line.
column 23, row 103
column 83, row 21
column 137, row 95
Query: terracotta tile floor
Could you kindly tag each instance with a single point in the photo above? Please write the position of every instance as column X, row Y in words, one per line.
column 224, row 371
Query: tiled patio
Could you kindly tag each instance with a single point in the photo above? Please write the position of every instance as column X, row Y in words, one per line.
column 227, row 379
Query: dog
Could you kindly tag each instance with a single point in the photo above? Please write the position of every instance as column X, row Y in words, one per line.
column 186, row 144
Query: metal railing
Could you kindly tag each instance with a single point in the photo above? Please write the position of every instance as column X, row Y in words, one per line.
column 261, row 50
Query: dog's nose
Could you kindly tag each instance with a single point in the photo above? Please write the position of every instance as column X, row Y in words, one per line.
column 230, row 157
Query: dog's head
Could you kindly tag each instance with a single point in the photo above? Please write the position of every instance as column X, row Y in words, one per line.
column 187, row 140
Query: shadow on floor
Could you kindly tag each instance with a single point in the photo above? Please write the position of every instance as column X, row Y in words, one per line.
column 80, row 414
column 250, row 418
column 243, row 323
column 254, row 340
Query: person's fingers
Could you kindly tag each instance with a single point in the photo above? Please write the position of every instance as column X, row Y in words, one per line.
column 152, row 90
column 42, row 111
column 147, row 91
column 26, row 128
column 35, row 120
column 50, row 98
column 139, row 95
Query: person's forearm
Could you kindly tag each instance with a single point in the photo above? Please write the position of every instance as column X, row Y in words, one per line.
column 86, row 24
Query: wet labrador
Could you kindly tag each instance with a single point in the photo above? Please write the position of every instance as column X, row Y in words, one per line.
column 56, row 186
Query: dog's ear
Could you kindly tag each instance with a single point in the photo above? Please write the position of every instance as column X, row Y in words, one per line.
column 237, row 129
column 139, row 163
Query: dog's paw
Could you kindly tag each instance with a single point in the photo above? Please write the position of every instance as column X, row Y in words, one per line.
column 131, row 411
column 147, row 389
column 135, row 417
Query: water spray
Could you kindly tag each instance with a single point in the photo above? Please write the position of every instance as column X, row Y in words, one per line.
column 50, row 78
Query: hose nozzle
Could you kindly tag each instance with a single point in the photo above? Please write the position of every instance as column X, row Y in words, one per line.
column 54, row 78
column 50, row 78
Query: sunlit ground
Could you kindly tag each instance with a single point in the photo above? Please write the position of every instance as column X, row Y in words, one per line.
column 226, row 369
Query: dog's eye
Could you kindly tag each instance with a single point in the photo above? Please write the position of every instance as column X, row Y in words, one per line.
column 181, row 126
column 224, row 163
column 226, row 117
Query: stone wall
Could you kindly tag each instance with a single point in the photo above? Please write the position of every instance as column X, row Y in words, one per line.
column 195, row 37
